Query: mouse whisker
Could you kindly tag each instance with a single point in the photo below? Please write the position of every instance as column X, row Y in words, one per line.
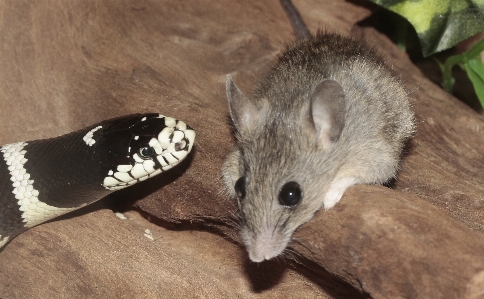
column 290, row 253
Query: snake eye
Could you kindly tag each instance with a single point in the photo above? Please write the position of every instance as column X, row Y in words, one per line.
column 290, row 194
column 146, row 152
column 240, row 188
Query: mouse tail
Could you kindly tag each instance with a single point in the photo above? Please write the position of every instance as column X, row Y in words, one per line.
column 300, row 29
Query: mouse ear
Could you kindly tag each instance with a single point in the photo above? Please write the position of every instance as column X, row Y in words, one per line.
column 328, row 111
column 244, row 113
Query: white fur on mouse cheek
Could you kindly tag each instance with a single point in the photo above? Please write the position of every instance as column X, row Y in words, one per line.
column 336, row 191
column 231, row 172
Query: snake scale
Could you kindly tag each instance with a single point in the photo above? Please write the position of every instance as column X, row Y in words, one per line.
column 43, row 179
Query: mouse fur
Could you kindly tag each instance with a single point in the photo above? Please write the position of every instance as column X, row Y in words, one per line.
column 329, row 114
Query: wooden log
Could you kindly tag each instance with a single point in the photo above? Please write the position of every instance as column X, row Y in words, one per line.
column 393, row 245
column 66, row 65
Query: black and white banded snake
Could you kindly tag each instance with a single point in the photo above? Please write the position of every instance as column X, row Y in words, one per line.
column 43, row 179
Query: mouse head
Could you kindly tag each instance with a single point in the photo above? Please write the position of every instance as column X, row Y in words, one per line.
column 284, row 157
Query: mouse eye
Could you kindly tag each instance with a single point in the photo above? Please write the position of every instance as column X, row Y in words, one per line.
column 290, row 194
column 240, row 188
column 146, row 152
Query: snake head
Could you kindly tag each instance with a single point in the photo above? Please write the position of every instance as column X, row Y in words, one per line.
column 139, row 147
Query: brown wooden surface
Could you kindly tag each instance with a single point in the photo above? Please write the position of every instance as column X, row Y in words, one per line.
column 67, row 65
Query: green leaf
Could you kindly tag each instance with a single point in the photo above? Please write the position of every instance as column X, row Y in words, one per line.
column 475, row 72
column 476, row 65
column 440, row 24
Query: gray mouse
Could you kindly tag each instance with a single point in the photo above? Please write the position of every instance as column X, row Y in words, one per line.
column 329, row 114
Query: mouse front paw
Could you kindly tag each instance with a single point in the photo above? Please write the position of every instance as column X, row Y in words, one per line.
column 336, row 191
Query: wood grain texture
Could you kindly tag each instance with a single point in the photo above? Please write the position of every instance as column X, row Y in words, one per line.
column 65, row 65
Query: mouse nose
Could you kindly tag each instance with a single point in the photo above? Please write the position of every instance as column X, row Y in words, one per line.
column 265, row 245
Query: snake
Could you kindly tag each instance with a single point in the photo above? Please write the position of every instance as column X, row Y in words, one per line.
column 43, row 179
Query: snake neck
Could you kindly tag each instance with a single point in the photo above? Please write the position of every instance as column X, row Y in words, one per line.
column 65, row 170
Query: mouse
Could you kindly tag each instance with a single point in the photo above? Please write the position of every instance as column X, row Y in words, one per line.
column 328, row 114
